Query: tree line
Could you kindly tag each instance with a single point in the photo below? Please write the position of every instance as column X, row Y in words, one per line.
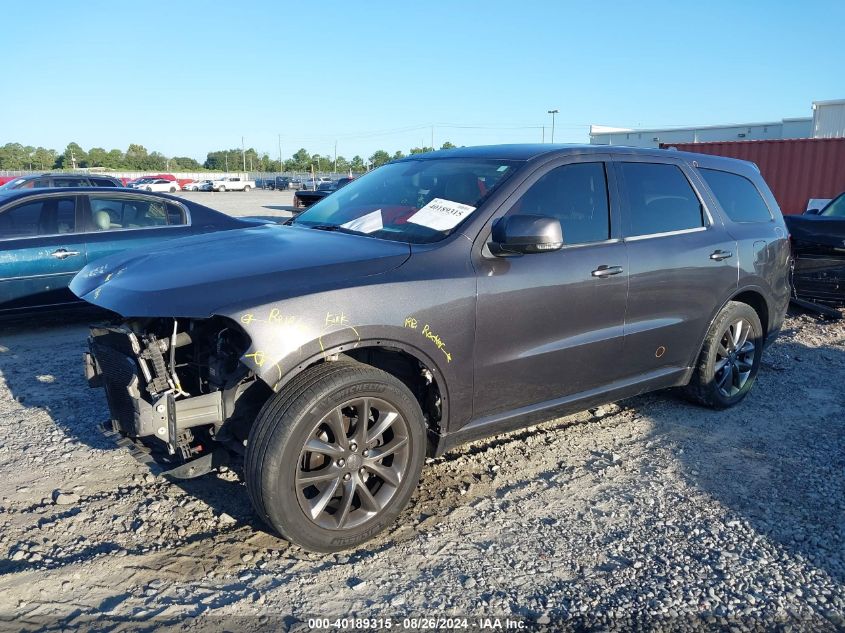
column 14, row 156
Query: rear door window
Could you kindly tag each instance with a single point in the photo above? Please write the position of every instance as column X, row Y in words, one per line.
column 737, row 196
column 660, row 199
column 49, row 216
column 102, row 182
column 111, row 213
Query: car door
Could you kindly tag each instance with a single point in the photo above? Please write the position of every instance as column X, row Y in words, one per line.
column 550, row 325
column 682, row 264
column 41, row 250
column 118, row 221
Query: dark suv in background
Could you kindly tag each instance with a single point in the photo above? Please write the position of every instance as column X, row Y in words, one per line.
column 62, row 180
column 438, row 299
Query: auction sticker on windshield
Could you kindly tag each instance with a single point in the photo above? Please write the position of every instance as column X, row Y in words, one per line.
column 369, row 223
column 441, row 215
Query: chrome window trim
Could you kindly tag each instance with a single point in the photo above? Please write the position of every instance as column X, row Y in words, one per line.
column 637, row 238
column 612, row 240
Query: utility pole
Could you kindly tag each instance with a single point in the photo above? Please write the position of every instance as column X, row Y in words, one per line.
column 281, row 167
column 544, row 135
column 72, row 159
column 243, row 152
column 553, row 113
column 227, row 161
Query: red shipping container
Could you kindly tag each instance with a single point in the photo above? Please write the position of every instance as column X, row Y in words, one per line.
column 796, row 169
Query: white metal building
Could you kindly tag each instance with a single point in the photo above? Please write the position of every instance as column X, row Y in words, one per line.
column 828, row 121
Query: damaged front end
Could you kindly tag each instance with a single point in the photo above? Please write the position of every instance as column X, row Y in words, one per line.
column 819, row 276
column 177, row 389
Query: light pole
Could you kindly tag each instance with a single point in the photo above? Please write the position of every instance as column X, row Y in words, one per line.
column 553, row 113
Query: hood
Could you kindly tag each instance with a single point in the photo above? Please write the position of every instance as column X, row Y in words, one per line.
column 221, row 272
column 816, row 229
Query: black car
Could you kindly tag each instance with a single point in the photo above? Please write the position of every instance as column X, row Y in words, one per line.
column 49, row 235
column 818, row 246
column 304, row 198
column 62, row 180
column 438, row 299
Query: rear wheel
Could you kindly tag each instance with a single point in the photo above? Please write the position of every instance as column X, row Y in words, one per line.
column 246, row 188
column 729, row 359
column 334, row 459
column 172, row 189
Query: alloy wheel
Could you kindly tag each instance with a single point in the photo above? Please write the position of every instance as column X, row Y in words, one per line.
column 352, row 463
column 734, row 358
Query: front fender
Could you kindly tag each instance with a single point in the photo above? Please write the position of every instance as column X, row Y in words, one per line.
column 289, row 337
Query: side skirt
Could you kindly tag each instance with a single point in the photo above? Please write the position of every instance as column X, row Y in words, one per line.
column 508, row 421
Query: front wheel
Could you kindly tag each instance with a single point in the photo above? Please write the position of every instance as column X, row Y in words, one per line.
column 333, row 459
column 729, row 359
column 246, row 188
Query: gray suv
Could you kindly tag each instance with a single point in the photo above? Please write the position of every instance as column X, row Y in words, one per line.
column 438, row 299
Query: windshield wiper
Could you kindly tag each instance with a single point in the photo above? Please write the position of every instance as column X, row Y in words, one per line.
column 334, row 227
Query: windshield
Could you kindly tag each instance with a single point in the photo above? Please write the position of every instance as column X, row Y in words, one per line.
column 835, row 208
column 418, row 201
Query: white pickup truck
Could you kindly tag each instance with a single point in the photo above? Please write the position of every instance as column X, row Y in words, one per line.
column 233, row 183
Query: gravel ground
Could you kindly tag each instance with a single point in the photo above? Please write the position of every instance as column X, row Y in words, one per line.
column 651, row 512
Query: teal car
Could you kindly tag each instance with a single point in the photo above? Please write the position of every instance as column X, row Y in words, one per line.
column 49, row 235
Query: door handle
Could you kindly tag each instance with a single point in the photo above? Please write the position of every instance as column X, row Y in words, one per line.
column 63, row 253
column 718, row 256
column 606, row 271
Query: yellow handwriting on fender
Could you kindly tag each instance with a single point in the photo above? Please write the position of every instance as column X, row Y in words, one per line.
column 435, row 338
column 257, row 357
column 411, row 322
column 278, row 318
column 336, row 319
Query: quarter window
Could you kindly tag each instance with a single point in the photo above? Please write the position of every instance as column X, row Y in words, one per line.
column 574, row 194
column 114, row 213
column 51, row 216
column 660, row 199
column 737, row 196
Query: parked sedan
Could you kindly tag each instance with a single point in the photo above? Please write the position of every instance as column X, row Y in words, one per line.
column 61, row 180
column 818, row 249
column 199, row 185
column 47, row 236
column 160, row 184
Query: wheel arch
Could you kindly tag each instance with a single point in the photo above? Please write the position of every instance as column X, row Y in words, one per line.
column 402, row 360
column 753, row 296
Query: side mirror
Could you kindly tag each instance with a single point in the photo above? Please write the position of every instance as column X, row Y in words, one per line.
column 812, row 211
column 523, row 234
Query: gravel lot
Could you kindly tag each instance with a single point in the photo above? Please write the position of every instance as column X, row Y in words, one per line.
column 650, row 512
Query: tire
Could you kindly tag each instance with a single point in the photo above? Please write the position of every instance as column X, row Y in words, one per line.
column 173, row 190
column 246, row 188
column 149, row 188
column 320, row 407
column 729, row 359
column 221, row 189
